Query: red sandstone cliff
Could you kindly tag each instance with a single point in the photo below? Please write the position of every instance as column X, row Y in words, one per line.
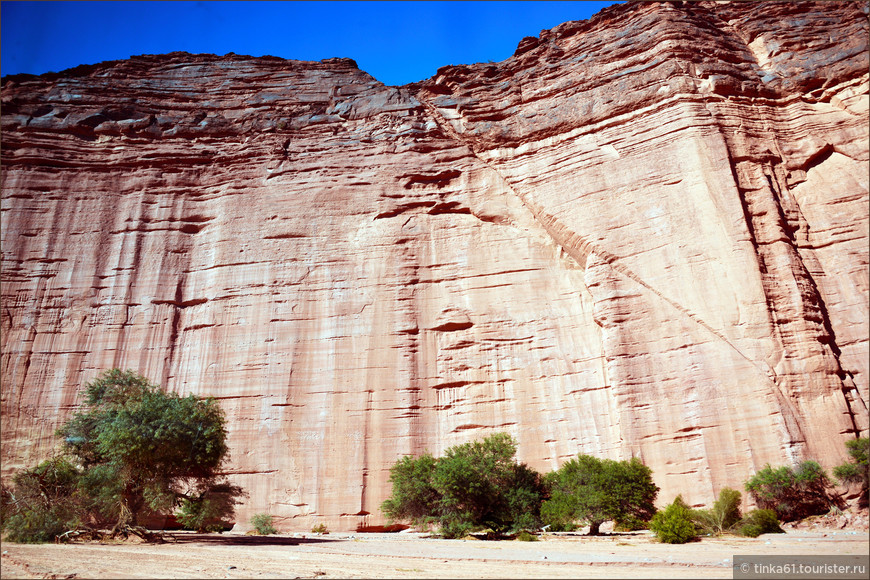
column 644, row 234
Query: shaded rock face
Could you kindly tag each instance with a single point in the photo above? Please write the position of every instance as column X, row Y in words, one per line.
column 645, row 234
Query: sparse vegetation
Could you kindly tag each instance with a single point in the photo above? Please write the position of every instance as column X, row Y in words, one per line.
column 320, row 529
column 674, row 524
column 478, row 487
column 134, row 449
column 263, row 524
column 724, row 515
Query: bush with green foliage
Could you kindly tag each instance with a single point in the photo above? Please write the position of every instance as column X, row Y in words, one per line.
column 207, row 507
column 133, row 449
column 37, row 525
column 414, row 498
column 480, row 483
column 320, row 529
column 792, row 492
column 44, row 502
column 592, row 490
column 674, row 524
column 457, row 525
column 263, row 524
column 146, row 449
column 759, row 522
column 856, row 470
column 6, row 506
column 475, row 486
column 723, row 516
column 630, row 524
column 525, row 536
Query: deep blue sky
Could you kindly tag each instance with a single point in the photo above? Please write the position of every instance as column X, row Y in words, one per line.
column 396, row 42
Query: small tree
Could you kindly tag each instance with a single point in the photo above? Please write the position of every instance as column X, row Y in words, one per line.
column 724, row 515
column 793, row 493
column 598, row 490
column 143, row 448
column 480, row 483
column 855, row 472
column 674, row 524
column 474, row 486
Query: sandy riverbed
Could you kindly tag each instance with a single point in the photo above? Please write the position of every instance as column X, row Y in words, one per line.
column 635, row 555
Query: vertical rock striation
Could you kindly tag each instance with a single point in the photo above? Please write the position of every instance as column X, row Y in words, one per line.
column 645, row 234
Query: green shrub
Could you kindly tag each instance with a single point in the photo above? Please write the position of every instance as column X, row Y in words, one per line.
column 630, row 524
column 593, row 490
column 456, row 526
column 726, row 509
column 522, row 498
column 414, row 496
column 482, row 484
column 39, row 524
column 859, row 450
column 792, row 492
column 674, row 525
column 759, row 522
column 525, row 536
column 723, row 516
column 475, row 486
column 6, row 506
column 263, row 524
column 207, row 509
column 101, row 490
column 848, row 473
column 560, row 526
column 320, row 529
column 856, row 471
column 44, row 502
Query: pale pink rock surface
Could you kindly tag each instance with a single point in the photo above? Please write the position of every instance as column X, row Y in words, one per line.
column 645, row 234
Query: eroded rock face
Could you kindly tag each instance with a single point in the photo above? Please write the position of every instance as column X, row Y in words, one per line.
column 645, row 234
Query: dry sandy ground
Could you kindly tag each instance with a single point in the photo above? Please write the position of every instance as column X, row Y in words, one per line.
column 404, row 555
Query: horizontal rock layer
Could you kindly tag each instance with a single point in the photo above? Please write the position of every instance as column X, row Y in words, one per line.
column 644, row 234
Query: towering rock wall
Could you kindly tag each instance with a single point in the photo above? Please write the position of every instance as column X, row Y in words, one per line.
column 645, row 234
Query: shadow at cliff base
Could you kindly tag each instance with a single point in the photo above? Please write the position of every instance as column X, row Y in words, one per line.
column 236, row 540
column 602, row 535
